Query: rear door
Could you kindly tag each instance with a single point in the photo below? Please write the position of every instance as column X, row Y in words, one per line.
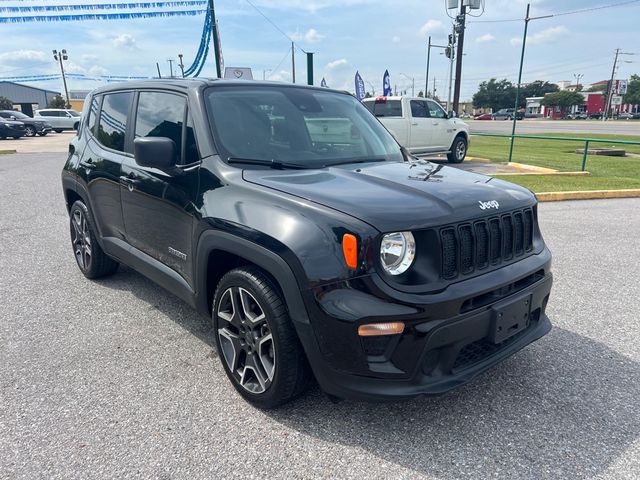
column 441, row 129
column 102, row 159
column 390, row 113
column 420, row 133
column 158, row 207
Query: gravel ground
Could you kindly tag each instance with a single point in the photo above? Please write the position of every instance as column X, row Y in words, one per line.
column 116, row 378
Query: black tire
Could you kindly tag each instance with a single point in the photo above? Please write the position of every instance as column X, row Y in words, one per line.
column 458, row 150
column 58, row 130
column 30, row 131
column 91, row 260
column 16, row 138
column 76, row 125
column 281, row 370
column 43, row 134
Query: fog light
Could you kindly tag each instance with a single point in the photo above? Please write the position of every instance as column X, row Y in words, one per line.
column 374, row 329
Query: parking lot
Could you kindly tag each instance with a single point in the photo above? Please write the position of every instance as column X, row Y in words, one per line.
column 117, row 378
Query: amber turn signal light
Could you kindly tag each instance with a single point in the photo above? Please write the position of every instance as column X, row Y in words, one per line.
column 374, row 329
column 350, row 250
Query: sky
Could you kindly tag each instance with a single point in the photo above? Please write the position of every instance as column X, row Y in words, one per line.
column 346, row 35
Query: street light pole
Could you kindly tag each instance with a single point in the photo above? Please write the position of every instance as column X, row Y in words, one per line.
column 578, row 76
column 216, row 39
column 181, row 64
column 62, row 55
column 170, row 60
column 429, row 47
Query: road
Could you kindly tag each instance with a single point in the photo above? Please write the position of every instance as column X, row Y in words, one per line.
column 117, row 379
column 533, row 126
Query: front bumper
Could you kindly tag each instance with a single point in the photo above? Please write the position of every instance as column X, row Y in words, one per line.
column 448, row 340
column 43, row 128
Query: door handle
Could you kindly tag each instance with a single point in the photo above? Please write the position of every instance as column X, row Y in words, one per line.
column 414, row 123
column 87, row 163
column 436, row 123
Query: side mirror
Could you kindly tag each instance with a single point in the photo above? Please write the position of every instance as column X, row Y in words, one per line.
column 452, row 114
column 155, row 152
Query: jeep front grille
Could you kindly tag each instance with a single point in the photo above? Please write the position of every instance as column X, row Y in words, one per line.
column 472, row 246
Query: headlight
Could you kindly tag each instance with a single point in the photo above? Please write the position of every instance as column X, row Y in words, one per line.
column 7, row 125
column 397, row 251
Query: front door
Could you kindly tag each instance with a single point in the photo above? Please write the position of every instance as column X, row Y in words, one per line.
column 441, row 129
column 420, row 133
column 157, row 206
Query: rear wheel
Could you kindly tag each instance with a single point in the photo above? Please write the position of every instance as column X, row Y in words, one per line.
column 58, row 130
column 30, row 131
column 458, row 150
column 91, row 260
column 256, row 341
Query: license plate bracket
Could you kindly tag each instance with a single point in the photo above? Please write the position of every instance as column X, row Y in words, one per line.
column 510, row 317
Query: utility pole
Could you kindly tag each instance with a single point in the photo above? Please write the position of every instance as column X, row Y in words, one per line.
column 610, row 88
column 373, row 89
column 62, row 55
column 158, row 67
column 451, row 47
column 264, row 73
column 459, row 29
column 413, row 83
column 170, row 60
column 181, row 64
column 216, row 39
column 429, row 47
column 293, row 62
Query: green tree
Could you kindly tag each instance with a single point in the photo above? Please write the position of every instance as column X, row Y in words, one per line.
column 633, row 91
column 495, row 94
column 563, row 99
column 537, row 88
column 5, row 104
column 58, row 102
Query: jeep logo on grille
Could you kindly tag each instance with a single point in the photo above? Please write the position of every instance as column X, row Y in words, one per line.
column 489, row 204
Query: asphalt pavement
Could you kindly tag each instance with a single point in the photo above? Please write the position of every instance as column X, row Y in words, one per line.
column 530, row 126
column 118, row 379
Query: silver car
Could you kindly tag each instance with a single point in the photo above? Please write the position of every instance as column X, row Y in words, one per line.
column 59, row 118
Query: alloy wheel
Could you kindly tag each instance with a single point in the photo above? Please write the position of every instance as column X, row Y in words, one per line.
column 461, row 150
column 246, row 340
column 30, row 131
column 81, row 239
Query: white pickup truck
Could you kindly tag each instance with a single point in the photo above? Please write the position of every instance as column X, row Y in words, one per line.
column 421, row 125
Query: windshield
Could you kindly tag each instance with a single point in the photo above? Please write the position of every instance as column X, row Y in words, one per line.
column 300, row 126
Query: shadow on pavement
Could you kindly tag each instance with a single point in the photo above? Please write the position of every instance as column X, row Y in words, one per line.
column 564, row 407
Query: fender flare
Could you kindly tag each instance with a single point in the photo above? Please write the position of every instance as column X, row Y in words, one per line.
column 269, row 261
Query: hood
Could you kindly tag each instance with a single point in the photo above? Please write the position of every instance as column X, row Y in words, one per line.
column 399, row 196
column 13, row 123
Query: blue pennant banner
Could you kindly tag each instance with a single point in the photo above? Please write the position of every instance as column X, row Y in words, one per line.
column 99, row 16
column 100, row 6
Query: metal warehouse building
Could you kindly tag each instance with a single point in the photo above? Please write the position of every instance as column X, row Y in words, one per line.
column 26, row 97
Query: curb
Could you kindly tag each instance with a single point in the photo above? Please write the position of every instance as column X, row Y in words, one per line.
column 477, row 159
column 588, row 195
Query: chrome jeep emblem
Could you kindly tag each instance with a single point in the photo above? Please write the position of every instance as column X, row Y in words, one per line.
column 489, row 204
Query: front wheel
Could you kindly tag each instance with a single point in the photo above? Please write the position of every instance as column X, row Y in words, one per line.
column 458, row 150
column 58, row 130
column 30, row 131
column 257, row 344
column 43, row 134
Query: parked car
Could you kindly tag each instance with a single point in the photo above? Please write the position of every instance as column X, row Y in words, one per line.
column 628, row 116
column 31, row 125
column 59, row 118
column 578, row 116
column 508, row 114
column 595, row 115
column 421, row 125
column 387, row 275
column 483, row 116
column 11, row 128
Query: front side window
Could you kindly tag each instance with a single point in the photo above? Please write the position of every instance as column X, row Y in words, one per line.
column 296, row 125
column 162, row 114
column 113, row 120
column 93, row 113
column 435, row 110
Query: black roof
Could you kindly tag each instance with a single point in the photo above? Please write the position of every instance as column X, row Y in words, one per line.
column 189, row 83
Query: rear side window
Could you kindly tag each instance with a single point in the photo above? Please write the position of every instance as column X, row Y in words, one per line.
column 162, row 114
column 385, row 108
column 45, row 114
column 419, row 109
column 113, row 120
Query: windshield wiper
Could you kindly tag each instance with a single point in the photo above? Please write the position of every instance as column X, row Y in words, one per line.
column 356, row 160
column 275, row 164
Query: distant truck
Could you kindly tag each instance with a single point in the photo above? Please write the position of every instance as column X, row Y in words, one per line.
column 421, row 125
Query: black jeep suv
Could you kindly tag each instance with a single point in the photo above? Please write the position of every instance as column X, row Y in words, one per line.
column 317, row 245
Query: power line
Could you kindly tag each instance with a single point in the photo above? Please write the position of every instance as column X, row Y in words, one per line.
column 560, row 14
column 276, row 26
